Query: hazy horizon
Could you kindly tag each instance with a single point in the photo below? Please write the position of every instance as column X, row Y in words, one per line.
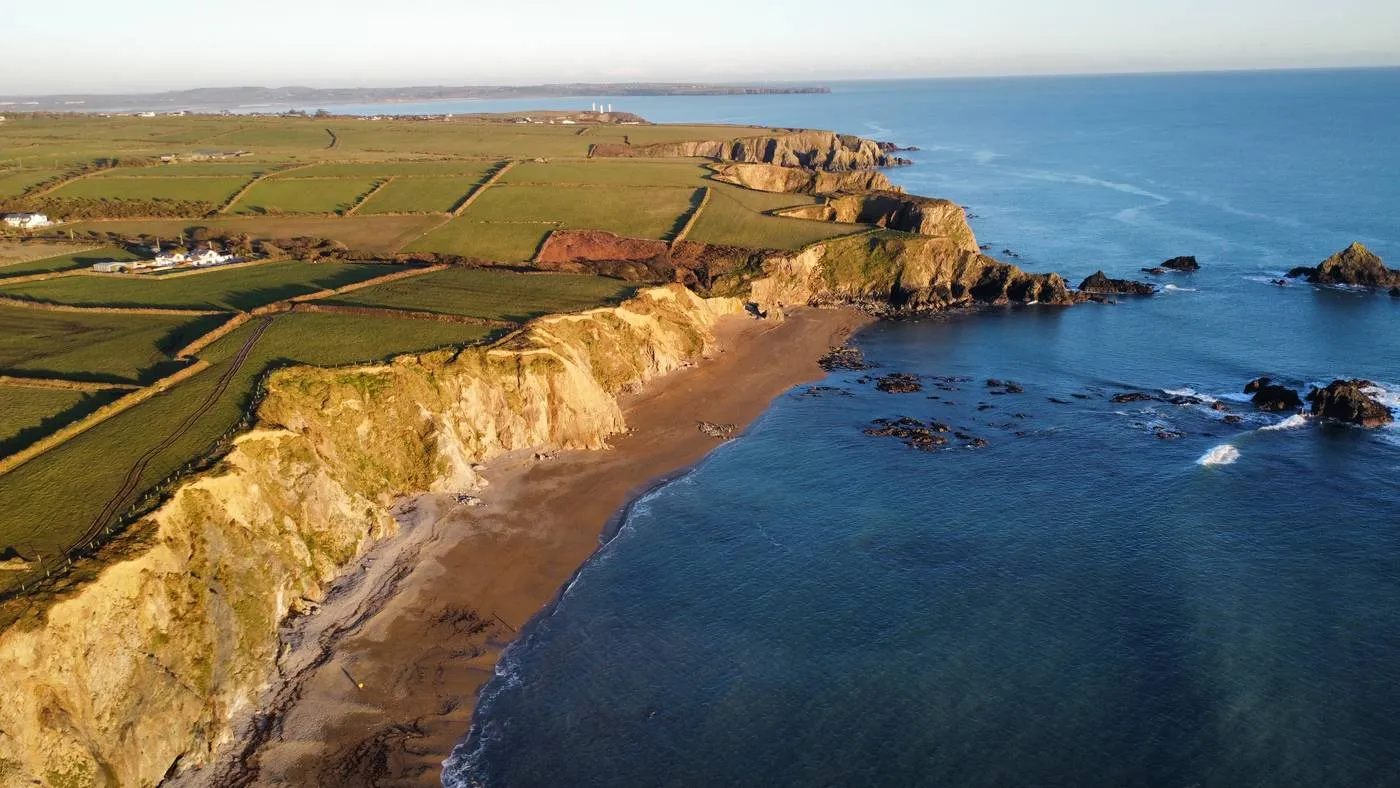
column 162, row 45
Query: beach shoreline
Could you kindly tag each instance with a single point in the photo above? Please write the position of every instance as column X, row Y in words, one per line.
column 379, row 684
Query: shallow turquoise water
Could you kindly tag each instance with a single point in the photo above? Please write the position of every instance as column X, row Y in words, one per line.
column 1078, row 603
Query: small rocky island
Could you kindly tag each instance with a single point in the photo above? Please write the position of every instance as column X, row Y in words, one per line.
column 1099, row 283
column 1355, row 265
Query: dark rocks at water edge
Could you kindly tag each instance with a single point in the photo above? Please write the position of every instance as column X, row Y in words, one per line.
column 721, row 431
column 1354, row 265
column 899, row 383
column 1006, row 386
column 1157, row 271
column 1272, row 397
column 1347, row 400
column 1186, row 264
column 925, row 436
column 1099, row 283
column 1395, row 292
column 844, row 357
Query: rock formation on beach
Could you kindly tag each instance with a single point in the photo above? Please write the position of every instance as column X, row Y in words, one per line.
column 817, row 150
column 799, row 180
column 1348, row 401
column 1185, row 264
column 1354, row 265
column 1100, row 284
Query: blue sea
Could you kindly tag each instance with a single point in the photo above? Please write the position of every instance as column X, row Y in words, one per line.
column 1080, row 602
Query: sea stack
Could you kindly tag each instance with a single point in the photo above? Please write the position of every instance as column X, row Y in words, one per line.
column 1186, row 264
column 1354, row 265
column 1347, row 400
column 1099, row 283
column 1272, row 397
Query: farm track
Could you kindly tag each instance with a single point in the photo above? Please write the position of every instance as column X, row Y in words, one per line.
column 369, row 195
column 480, row 190
column 133, row 476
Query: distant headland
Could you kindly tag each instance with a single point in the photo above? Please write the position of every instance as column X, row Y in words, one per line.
column 242, row 97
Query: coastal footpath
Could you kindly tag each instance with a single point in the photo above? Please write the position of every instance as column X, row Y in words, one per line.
column 144, row 671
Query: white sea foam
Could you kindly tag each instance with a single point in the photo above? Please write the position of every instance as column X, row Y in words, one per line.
column 986, row 156
column 1169, row 288
column 1224, row 454
column 1291, row 423
column 877, row 129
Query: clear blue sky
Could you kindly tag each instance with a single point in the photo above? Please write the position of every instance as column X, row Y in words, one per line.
column 106, row 46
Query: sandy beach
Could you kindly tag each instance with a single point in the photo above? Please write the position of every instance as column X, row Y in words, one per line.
column 378, row 685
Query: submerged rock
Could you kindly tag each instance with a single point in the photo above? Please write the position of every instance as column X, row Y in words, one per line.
column 1347, row 400
column 1155, row 271
column 914, row 433
column 899, row 383
column 1185, row 264
column 1098, row 282
column 1132, row 396
column 1354, row 265
column 1395, row 292
column 844, row 357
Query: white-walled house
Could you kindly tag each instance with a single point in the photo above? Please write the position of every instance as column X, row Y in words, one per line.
column 27, row 221
column 208, row 257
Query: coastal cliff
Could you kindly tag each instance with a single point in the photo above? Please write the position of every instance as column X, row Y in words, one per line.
column 894, row 210
column 139, row 672
column 797, row 180
column 814, row 150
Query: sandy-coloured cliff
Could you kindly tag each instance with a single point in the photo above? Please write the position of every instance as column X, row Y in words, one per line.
column 139, row 671
column 816, row 150
column 797, row 180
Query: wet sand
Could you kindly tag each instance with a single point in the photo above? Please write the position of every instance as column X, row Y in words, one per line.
column 379, row 685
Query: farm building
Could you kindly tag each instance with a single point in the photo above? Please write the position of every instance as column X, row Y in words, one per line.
column 131, row 266
column 27, row 221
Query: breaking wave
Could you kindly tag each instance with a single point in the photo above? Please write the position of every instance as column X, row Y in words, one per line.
column 1224, row 454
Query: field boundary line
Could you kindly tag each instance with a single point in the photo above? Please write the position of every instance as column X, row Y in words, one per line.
column 63, row 182
column 482, row 187
column 65, row 434
column 407, row 273
column 108, row 310
column 62, row 384
column 368, row 195
column 219, row 332
column 191, row 272
column 241, row 193
column 71, row 253
column 694, row 217
column 44, row 277
column 409, row 314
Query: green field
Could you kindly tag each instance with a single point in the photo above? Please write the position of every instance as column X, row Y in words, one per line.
column 303, row 195
column 93, row 346
column 474, row 170
column 13, row 182
column 44, row 514
column 243, row 170
column 373, row 234
column 65, row 262
column 505, row 242
column 419, row 195
column 645, row 212
column 609, row 172
column 727, row 221
column 212, row 190
column 496, row 295
column 27, row 414
column 227, row 289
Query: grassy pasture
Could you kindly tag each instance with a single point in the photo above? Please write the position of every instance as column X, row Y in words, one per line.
column 374, row 234
column 419, row 195
column 496, row 295
column 503, row 242
column 43, row 512
column 27, row 414
column 14, row 182
column 640, row 212
column 211, row 190
column 475, row 170
column 728, row 221
column 609, row 172
column 64, row 262
column 227, row 289
column 93, row 346
column 303, row 195
column 193, row 169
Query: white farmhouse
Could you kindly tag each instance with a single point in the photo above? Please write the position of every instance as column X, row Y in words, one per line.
column 209, row 257
column 27, row 221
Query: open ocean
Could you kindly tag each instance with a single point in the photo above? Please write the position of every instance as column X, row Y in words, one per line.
column 1079, row 603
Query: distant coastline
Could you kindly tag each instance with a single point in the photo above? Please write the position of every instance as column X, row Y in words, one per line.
column 244, row 98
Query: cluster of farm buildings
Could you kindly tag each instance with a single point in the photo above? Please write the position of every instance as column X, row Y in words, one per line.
column 27, row 221
column 202, row 258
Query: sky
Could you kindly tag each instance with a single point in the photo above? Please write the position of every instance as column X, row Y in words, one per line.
column 100, row 46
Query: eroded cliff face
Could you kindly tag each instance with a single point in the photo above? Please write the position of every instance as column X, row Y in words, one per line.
column 887, row 273
column 816, row 150
column 796, row 180
column 907, row 213
column 141, row 669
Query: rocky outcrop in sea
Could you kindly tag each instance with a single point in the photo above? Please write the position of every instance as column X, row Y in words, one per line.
column 1355, row 265
column 1349, row 401
column 1100, row 284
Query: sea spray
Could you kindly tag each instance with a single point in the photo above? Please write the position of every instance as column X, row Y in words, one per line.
column 1224, row 454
